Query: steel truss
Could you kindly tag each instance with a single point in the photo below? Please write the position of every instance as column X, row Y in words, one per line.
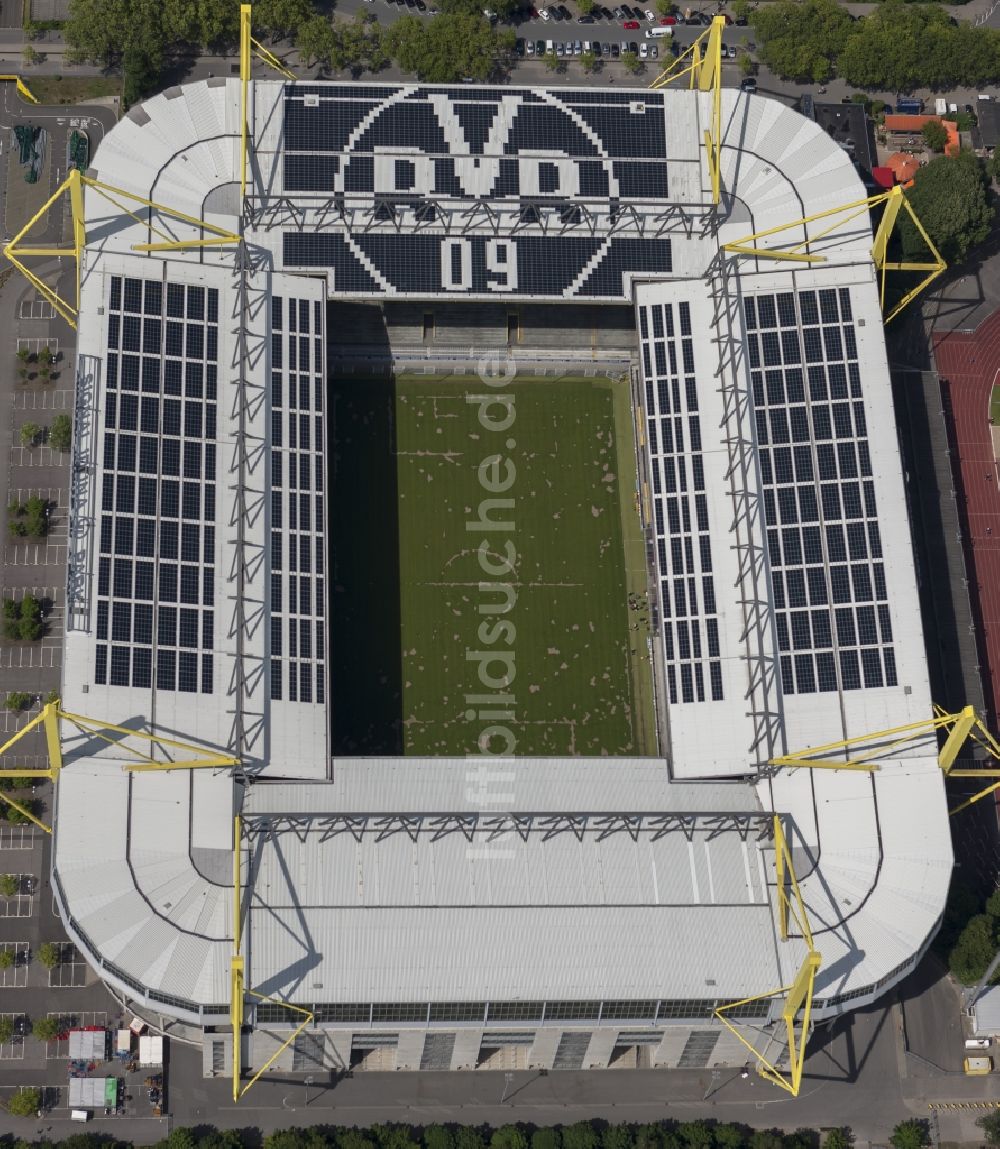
column 757, row 637
column 493, row 825
column 361, row 215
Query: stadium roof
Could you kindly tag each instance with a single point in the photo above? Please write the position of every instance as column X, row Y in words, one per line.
column 795, row 620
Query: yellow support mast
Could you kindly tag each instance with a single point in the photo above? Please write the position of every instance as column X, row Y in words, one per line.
column 19, row 248
column 22, row 88
column 798, row 995
column 249, row 46
column 894, row 202
column 702, row 63
column 49, row 718
column 237, row 967
column 883, row 744
column 238, row 988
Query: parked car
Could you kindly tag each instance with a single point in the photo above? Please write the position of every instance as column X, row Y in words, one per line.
column 566, row 13
column 615, row 51
column 560, row 49
column 643, row 50
column 597, row 48
column 631, row 25
column 545, row 14
column 529, row 48
column 748, row 84
column 577, row 48
column 653, row 51
column 633, row 47
column 585, row 19
column 539, row 47
column 668, row 21
column 519, row 47
column 650, row 16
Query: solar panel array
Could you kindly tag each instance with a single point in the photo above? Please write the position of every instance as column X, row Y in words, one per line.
column 298, row 525
column 417, row 162
column 680, row 506
column 828, row 581
column 156, row 563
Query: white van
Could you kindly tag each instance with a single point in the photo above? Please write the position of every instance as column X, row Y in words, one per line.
column 977, row 1043
column 657, row 33
column 79, row 1115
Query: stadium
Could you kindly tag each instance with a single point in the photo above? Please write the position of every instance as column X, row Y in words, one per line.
column 527, row 882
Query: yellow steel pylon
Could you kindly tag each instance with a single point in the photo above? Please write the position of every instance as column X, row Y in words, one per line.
column 17, row 249
column 704, row 69
column 50, row 717
column 798, row 995
column 22, row 88
column 894, row 201
column 238, row 989
column 883, row 744
column 248, row 45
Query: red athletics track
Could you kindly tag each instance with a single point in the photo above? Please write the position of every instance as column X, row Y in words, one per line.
column 968, row 363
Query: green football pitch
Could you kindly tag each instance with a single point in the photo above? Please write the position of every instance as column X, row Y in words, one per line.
column 410, row 600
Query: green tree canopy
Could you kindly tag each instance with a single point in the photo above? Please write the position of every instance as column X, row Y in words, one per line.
column 439, row 1137
column 949, row 196
column 911, row 1134
column 46, row 1028
column 25, row 1103
column 990, row 1125
column 935, row 135
column 580, row 1135
column 509, row 1137
column 450, row 47
column 6, row 1028
column 801, row 39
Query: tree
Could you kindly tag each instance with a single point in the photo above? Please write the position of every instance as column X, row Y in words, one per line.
column 46, row 1028
column 7, row 958
column 61, row 433
column 801, row 41
column 612, row 1137
column 554, row 63
column 589, row 61
column 740, row 9
column 9, row 885
column 729, row 1136
column 665, row 7
column 299, row 1139
column 949, row 197
column 50, row 954
column 509, row 1137
column 141, row 68
column 990, row 1125
column 695, row 1135
column 910, row 1134
column 46, row 356
column 393, row 1136
column 585, row 6
column 22, row 621
column 838, row 1139
column 631, row 61
column 993, row 904
column 24, row 355
column 18, row 700
column 6, row 1029
column 935, row 135
column 215, row 1139
column 747, row 66
column 765, row 1139
column 316, row 41
column 31, row 55
column 450, row 47
column 469, row 1137
column 30, row 434
column 580, row 1135
column 974, row 949
column 438, row 1137
column 179, row 1139
column 26, row 1102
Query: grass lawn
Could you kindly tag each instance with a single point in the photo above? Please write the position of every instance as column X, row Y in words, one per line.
column 995, row 406
column 405, row 483
column 72, row 89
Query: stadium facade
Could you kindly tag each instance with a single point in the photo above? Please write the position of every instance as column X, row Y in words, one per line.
column 453, row 913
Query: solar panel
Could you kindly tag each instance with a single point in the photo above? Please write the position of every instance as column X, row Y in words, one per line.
column 140, row 538
column 828, row 580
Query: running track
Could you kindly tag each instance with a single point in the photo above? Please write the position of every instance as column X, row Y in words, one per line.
column 968, row 363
